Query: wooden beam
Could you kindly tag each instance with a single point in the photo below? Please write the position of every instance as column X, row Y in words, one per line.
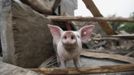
column 105, row 38
column 99, row 51
column 87, row 70
column 125, row 36
column 130, row 53
column 116, row 37
column 108, row 56
column 80, row 18
column 94, row 10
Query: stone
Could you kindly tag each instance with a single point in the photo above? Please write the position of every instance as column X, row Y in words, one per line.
column 7, row 69
column 26, row 40
column 42, row 6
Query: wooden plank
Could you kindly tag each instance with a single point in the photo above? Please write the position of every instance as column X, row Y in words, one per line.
column 96, row 13
column 105, row 38
column 108, row 56
column 130, row 53
column 49, row 62
column 125, row 36
column 116, row 37
column 80, row 18
column 87, row 70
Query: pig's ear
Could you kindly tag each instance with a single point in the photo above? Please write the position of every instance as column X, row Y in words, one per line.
column 85, row 33
column 55, row 31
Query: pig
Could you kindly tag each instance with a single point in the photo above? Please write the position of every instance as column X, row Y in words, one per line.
column 68, row 44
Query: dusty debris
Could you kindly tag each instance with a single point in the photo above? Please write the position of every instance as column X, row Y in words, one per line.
column 7, row 69
column 108, row 56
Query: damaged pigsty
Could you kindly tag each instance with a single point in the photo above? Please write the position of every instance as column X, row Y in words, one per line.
column 68, row 44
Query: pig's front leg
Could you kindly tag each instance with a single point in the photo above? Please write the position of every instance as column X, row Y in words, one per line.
column 58, row 60
column 77, row 62
column 62, row 64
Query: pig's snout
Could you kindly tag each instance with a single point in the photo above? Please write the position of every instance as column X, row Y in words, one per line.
column 69, row 41
column 69, row 38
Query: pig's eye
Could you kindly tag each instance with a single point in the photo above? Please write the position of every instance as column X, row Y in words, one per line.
column 65, row 37
column 72, row 37
column 78, row 36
